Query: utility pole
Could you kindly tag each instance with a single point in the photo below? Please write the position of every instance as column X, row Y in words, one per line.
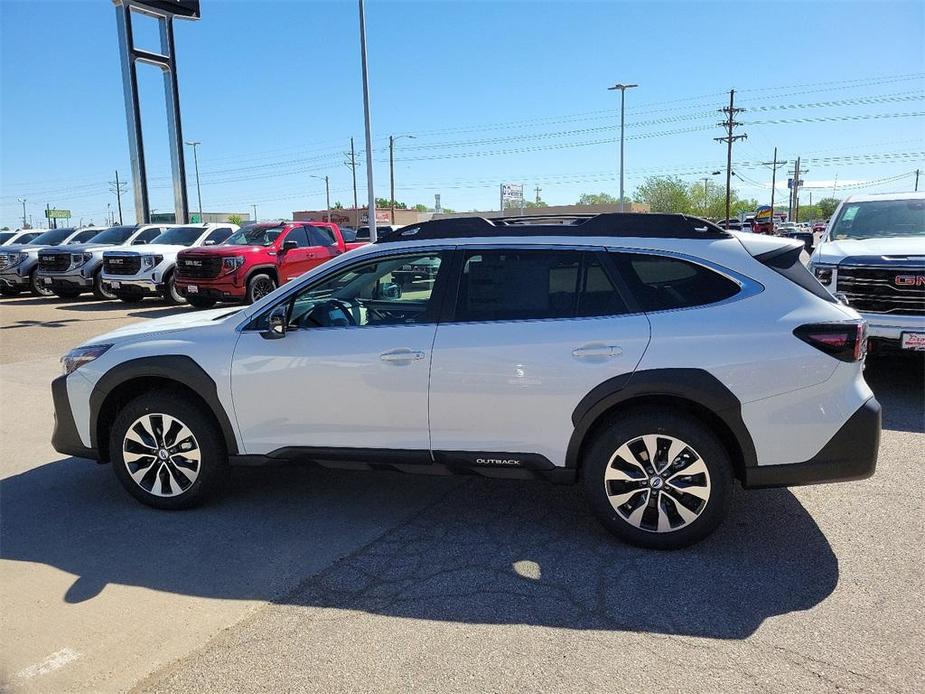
column 118, row 187
column 730, row 124
column 327, row 195
column 351, row 164
column 392, row 171
column 774, row 164
column 538, row 190
column 795, row 192
column 255, row 211
column 705, row 179
column 916, row 188
column 622, row 88
column 23, row 203
column 195, row 144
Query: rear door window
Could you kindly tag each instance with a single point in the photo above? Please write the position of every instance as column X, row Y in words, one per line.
column 661, row 283
column 321, row 236
column 217, row 236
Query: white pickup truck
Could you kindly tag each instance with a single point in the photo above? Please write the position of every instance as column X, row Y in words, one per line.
column 872, row 257
column 132, row 273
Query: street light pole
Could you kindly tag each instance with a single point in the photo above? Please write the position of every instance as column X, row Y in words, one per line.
column 23, row 202
column 194, row 144
column 373, row 236
column 327, row 194
column 392, row 170
column 622, row 88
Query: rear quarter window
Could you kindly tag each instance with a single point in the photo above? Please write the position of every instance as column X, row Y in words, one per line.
column 662, row 283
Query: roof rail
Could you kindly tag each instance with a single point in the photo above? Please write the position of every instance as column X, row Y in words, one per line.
column 615, row 224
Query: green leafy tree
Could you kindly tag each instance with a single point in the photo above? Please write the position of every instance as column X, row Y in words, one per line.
column 665, row 194
column 235, row 219
column 383, row 203
column 5, row 229
column 338, row 205
column 420, row 207
column 598, row 199
column 827, row 207
column 527, row 204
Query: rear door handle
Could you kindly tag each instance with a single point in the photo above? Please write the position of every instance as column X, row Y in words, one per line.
column 597, row 349
column 402, row 355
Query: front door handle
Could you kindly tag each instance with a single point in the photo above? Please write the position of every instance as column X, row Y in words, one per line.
column 402, row 355
column 597, row 349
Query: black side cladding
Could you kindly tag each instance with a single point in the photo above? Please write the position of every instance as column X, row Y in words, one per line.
column 786, row 262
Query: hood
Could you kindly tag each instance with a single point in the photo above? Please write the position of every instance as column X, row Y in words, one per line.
column 836, row 251
column 150, row 328
column 223, row 250
column 19, row 247
column 149, row 249
column 80, row 247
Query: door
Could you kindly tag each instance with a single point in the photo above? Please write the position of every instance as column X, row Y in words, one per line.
column 298, row 260
column 352, row 368
column 532, row 332
column 323, row 244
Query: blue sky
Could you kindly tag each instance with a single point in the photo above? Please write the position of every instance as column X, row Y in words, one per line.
column 492, row 92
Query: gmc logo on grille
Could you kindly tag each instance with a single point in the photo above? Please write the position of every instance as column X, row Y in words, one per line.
column 115, row 261
column 194, row 263
column 909, row 280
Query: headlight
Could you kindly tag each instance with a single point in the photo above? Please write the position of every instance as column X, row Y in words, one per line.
column 17, row 258
column 823, row 273
column 149, row 261
column 78, row 259
column 232, row 262
column 76, row 358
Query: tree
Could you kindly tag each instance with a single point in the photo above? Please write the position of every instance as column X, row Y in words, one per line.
column 5, row 229
column 338, row 205
column 527, row 204
column 827, row 207
column 665, row 194
column 597, row 199
column 420, row 208
column 383, row 203
column 708, row 199
column 235, row 219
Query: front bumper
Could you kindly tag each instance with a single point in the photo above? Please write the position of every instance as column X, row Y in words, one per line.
column 224, row 289
column 849, row 455
column 11, row 278
column 886, row 326
column 133, row 286
column 66, row 281
column 65, row 438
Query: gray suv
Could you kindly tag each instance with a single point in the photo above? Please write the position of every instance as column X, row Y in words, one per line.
column 19, row 262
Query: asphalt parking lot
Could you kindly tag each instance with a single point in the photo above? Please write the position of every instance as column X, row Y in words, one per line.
column 312, row 580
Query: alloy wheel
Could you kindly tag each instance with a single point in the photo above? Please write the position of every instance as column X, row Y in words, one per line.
column 161, row 454
column 262, row 287
column 657, row 483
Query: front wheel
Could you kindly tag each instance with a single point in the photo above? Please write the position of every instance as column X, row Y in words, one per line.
column 100, row 290
column 171, row 295
column 258, row 287
column 658, row 479
column 166, row 451
column 37, row 286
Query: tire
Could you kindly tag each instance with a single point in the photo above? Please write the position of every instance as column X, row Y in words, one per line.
column 67, row 293
column 161, row 480
column 36, row 288
column 200, row 302
column 99, row 291
column 663, row 522
column 171, row 295
column 9, row 291
column 258, row 286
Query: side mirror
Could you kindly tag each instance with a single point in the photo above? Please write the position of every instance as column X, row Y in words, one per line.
column 276, row 324
column 289, row 245
column 389, row 290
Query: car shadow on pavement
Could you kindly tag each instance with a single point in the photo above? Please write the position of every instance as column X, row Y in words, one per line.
column 898, row 381
column 476, row 551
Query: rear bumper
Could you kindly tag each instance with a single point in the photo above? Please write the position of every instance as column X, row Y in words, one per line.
column 849, row 455
column 891, row 327
column 65, row 438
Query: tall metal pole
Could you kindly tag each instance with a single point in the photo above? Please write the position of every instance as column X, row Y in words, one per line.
column 255, row 212
column 916, row 188
column 327, row 197
column 369, row 131
column 133, row 113
column 392, row 177
column 622, row 88
column 195, row 144
column 23, row 201
column 353, row 167
column 174, row 127
column 119, row 196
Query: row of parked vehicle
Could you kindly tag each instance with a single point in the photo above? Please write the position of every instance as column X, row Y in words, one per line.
column 198, row 263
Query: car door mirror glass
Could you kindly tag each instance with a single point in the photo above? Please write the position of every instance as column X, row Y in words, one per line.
column 276, row 324
column 290, row 245
column 387, row 290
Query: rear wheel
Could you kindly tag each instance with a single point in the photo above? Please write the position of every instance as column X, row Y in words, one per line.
column 37, row 287
column 658, row 479
column 200, row 302
column 166, row 451
column 100, row 290
column 258, row 287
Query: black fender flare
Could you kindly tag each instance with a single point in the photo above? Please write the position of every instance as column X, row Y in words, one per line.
column 173, row 367
column 694, row 385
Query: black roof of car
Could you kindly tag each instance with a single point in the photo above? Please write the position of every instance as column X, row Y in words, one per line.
column 615, row 224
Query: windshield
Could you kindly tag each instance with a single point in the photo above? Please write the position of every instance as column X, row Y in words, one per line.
column 52, row 237
column 84, row 236
column 114, row 235
column 180, row 236
column 880, row 219
column 6, row 236
column 254, row 235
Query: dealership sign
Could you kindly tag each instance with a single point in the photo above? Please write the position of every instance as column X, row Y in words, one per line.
column 57, row 214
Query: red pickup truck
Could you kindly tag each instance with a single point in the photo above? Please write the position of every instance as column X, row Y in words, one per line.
column 255, row 260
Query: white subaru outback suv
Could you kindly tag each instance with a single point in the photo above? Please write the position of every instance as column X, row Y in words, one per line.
column 872, row 257
column 652, row 358
column 132, row 273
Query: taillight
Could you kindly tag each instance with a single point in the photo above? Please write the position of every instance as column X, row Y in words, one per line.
column 845, row 341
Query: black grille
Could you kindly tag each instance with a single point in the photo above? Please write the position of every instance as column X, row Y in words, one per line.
column 876, row 290
column 121, row 264
column 54, row 262
column 199, row 266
